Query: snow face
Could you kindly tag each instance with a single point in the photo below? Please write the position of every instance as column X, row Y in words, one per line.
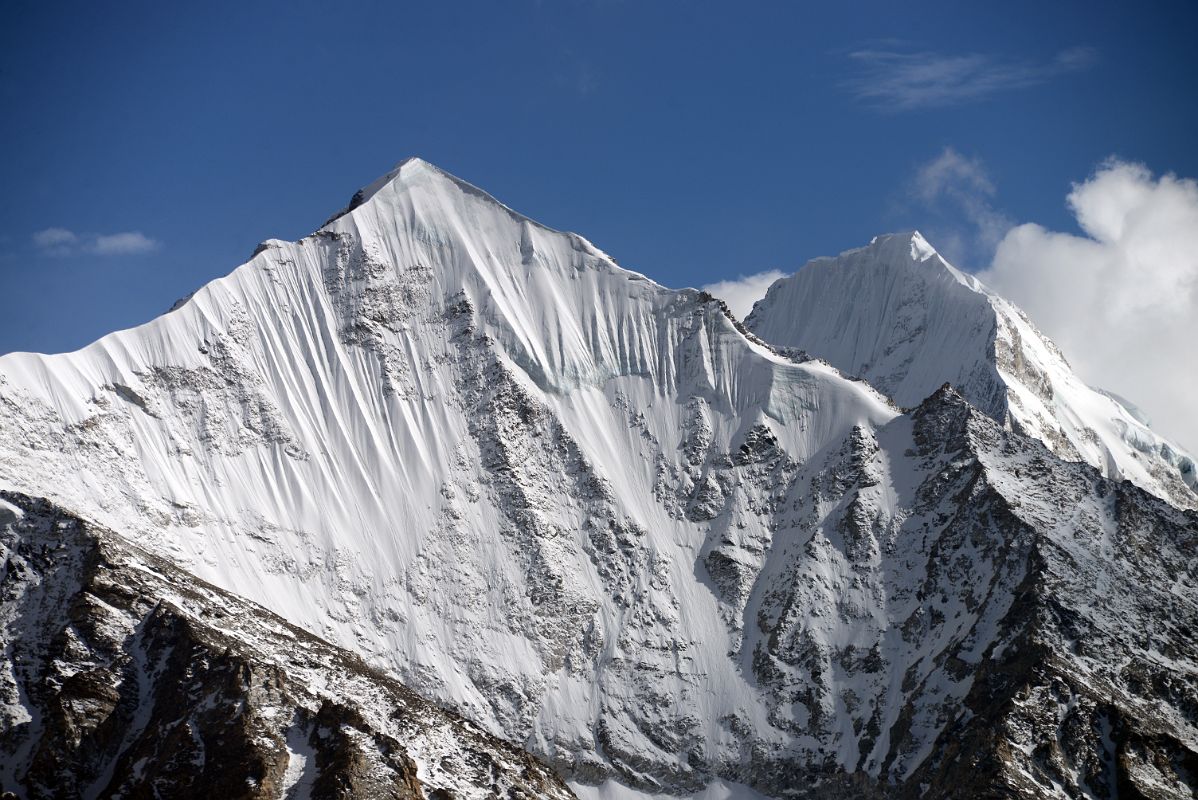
column 586, row 511
column 900, row 316
column 448, row 437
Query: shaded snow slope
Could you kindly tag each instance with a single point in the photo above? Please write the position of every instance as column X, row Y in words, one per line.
column 900, row 316
column 586, row 511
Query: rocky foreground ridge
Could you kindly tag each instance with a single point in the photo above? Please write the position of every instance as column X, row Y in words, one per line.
column 127, row 677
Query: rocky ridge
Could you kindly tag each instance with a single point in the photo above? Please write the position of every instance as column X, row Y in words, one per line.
column 126, row 677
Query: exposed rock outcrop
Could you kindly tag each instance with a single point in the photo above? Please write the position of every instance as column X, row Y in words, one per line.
column 125, row 676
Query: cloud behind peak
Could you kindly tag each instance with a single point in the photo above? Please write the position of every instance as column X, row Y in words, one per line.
column 1121, row 299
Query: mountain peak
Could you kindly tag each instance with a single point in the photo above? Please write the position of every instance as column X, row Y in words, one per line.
column 404, row 171
column 904, row 244
column 413, row 174
column 904, row 256
column 892, row 251
column 899, row 315
column 591, row 515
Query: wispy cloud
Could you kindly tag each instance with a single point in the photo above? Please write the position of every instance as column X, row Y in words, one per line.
column 893, row 80
column 63, row 242
column 57, row 241
column 740, row 294
column 124, row 244
column 958, row 194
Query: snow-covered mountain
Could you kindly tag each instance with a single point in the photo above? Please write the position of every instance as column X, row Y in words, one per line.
column 598, row 518
column 898, row 315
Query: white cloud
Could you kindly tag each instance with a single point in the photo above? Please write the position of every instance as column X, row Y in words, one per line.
column 123, row 244
column 62, row 242
column 52, row 238
column 958, row 192
column 1122, row 299
column 742, row 293
column 904, row 81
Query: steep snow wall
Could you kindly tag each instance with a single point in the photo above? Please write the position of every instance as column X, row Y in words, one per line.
column 450, row 438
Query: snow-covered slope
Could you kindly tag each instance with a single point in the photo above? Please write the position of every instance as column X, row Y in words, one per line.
column 448, row 437
column 126, row 677
column 586, row 511
column 900, row 316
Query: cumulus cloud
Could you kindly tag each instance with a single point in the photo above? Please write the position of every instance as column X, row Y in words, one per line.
column 1122, row 299
column 958, row 191
column 893, row 80
column 740, row 294
column 63, row 242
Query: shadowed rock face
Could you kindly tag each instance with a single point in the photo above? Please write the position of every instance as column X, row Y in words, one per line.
column 1021, row 626
column 129, row 677
column 1090, row 687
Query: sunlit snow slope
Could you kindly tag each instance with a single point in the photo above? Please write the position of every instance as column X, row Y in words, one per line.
column 593, row 515
column 900, row 316
column 439, row 433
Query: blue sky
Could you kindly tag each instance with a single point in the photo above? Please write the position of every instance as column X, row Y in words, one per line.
column 147, row 147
